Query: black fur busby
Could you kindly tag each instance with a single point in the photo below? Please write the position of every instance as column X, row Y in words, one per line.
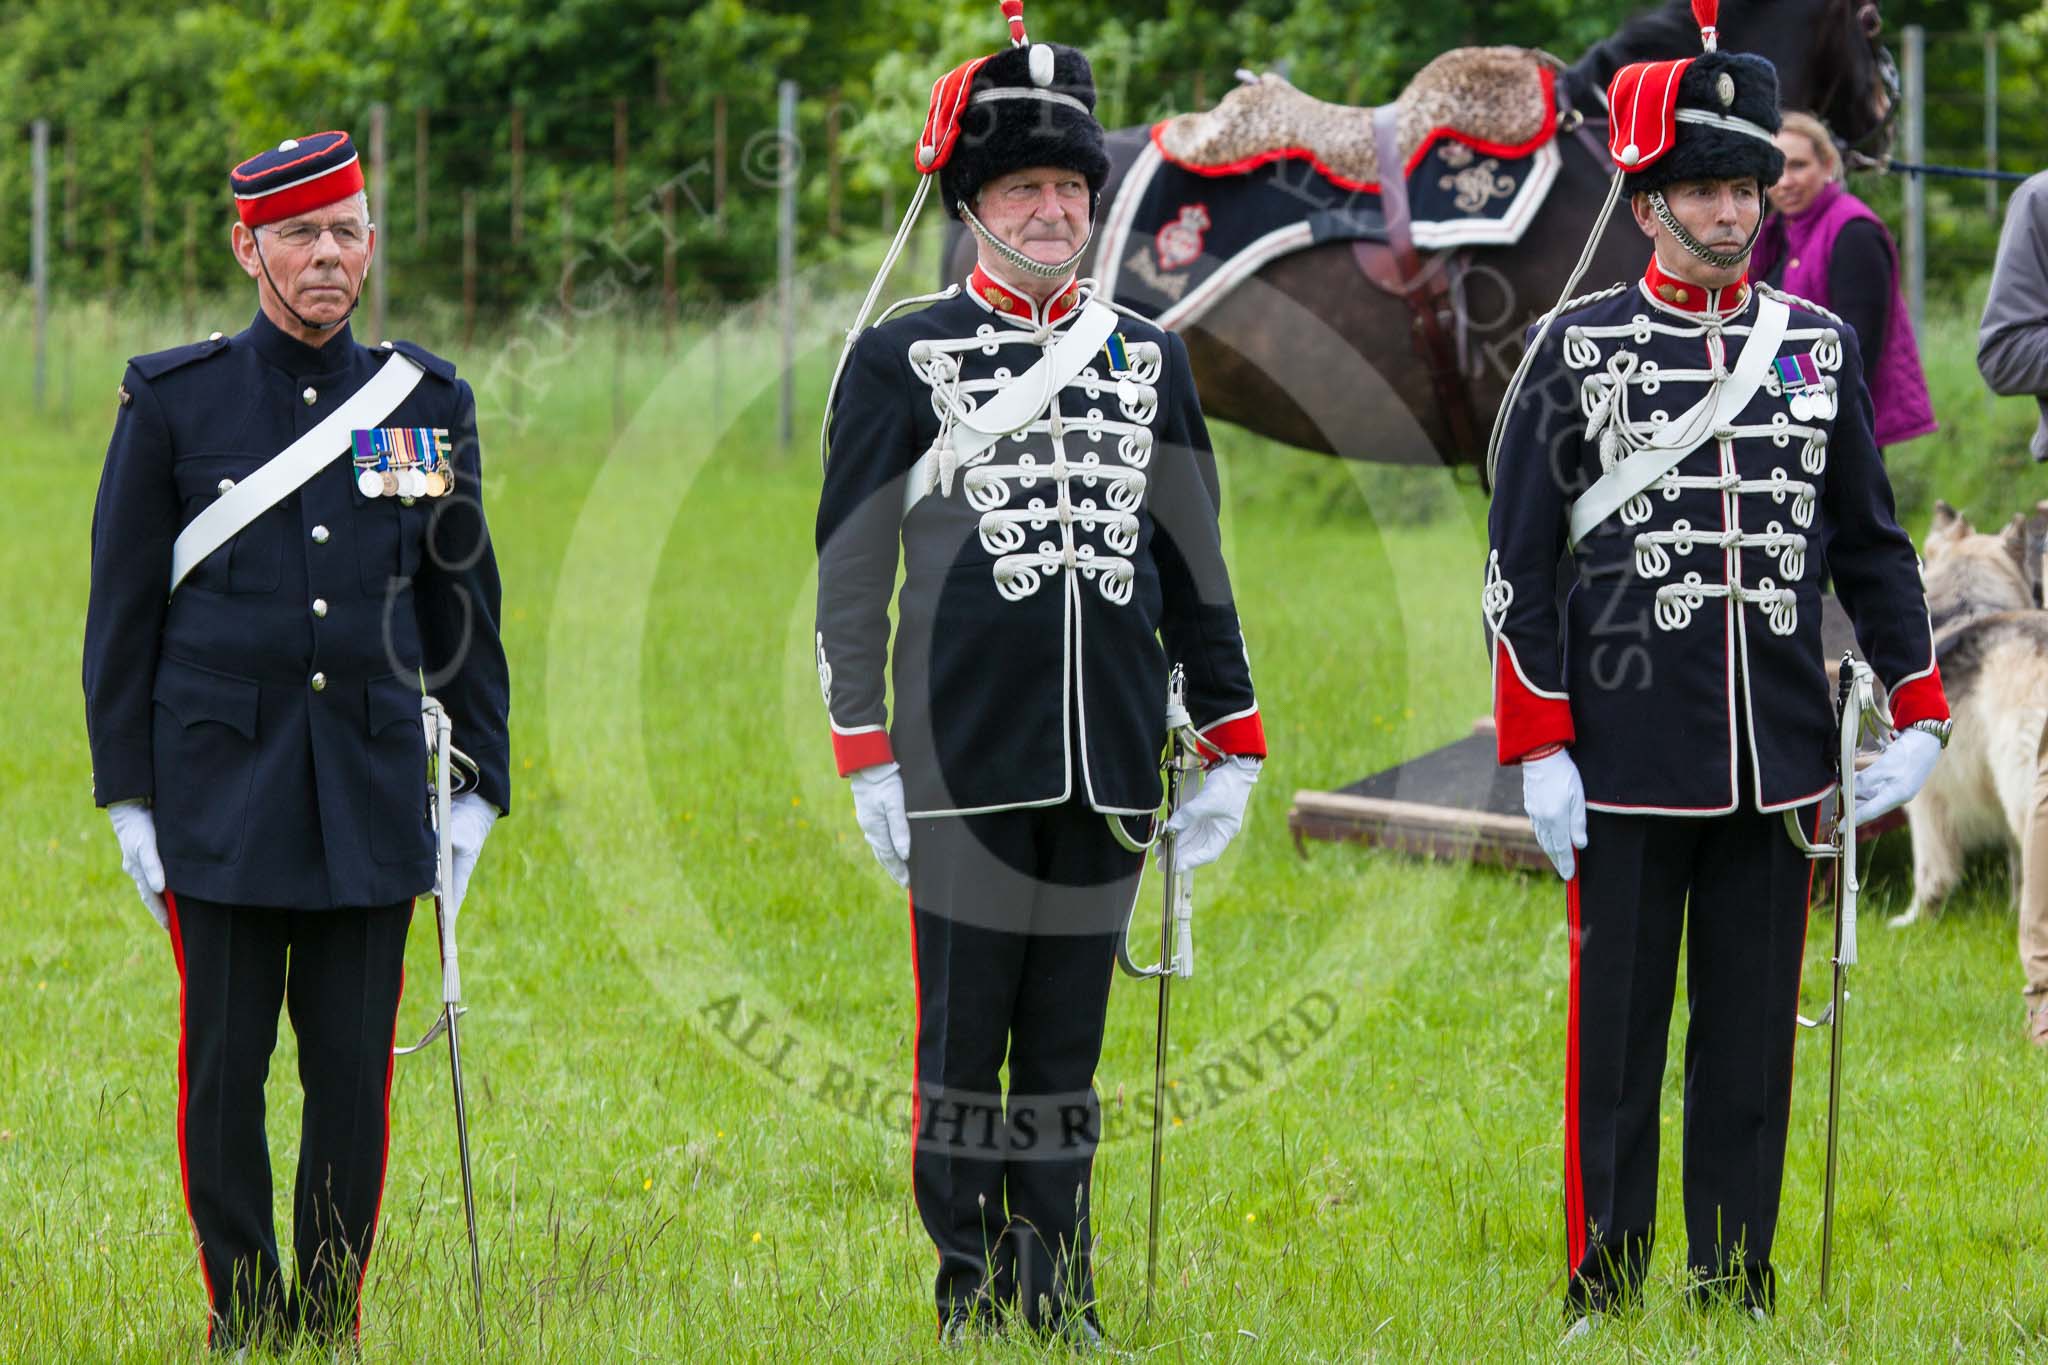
column 1704, row 152
column 1001, row 135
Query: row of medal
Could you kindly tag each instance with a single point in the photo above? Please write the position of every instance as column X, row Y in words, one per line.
column 1806, row 392
column 404, row 462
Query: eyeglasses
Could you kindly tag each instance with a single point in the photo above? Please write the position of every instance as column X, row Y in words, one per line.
column 299, row 236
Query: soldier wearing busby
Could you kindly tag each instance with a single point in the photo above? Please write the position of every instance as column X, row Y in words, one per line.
column 1697, row 447
column 288, row 545
column 1038, row 460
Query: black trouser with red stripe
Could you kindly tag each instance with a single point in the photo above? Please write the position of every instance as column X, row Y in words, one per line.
column 340, row 973
column 1737, row 889
column 1014, row 917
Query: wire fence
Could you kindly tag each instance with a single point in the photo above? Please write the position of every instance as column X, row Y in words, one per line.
column 477, row 207
column 674, row 201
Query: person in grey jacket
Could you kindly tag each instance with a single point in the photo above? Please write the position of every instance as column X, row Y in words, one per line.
column 2012, row 341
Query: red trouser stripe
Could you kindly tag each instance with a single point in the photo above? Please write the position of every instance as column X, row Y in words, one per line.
column 1806, row 921
column 184, row 1098
column 1574, row 1172
column 916, row 1079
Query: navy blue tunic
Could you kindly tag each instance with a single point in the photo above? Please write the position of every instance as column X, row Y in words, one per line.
column 270, row 710
column 1683, row 666
column 1048, row 586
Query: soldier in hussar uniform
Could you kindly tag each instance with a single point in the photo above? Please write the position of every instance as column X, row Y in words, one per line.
column 1040, row 459
column 289, row 541
column 1700, row 446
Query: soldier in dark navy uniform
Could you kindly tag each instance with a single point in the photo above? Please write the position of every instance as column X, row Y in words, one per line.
column 1041, row 464
column 255, row 725
column 1676, row 705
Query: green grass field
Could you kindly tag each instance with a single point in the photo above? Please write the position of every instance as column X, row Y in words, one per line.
column 689, row 1047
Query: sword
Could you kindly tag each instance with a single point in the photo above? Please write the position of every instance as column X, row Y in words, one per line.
column 445, row 757
column 1182, row 765
column 1858, row 705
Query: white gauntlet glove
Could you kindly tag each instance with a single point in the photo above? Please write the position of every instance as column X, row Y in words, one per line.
column 1204, row 827
column 1556, row 801
column 1897, row 775
column 884, row 816
column 135, row 827
column 470, row 818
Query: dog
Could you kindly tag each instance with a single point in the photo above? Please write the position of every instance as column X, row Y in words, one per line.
column 1990, row 789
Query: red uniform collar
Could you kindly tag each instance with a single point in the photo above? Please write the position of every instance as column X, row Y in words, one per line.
column 1692, row 298
column 998, row 297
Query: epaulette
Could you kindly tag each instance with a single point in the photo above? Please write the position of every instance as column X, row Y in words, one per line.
column 1795, row 301
column 893, row 309
column 426, row 359
column 159, row 363
column 1587, row 300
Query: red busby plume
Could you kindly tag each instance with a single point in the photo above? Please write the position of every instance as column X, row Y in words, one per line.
column 949, row 96
column 1642, row 103
column 942, row 120
column 1708, row 12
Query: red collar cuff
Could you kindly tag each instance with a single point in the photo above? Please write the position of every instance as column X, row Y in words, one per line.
column 1000, row 298
column 1693, row 298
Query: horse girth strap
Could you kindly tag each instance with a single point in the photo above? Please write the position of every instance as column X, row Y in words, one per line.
column 1398, row 269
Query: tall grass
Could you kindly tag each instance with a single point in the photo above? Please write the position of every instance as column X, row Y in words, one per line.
column 680, row 888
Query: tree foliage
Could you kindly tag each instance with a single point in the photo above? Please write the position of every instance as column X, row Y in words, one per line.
column 149, row 107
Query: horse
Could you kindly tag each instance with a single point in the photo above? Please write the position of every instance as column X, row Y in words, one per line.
column 1311, row 353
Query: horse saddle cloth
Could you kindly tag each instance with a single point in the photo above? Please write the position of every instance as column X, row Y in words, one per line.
column 1212, row 197
column 1480, row 95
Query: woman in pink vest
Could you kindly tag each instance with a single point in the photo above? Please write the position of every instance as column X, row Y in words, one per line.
column 1829, row 247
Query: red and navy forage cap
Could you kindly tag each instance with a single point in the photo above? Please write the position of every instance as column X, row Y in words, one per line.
column 1032, row 104
column 297, row 176
column 1710, row 117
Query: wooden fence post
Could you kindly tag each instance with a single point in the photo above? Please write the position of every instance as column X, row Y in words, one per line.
column 419, row 176
column 380, row 202
column 668, row 268
column 39, row 245
column 1916, row 185
column 618, row 165
column 191, row 253
column 468, row 268
column 668, row 226
column 148, row 202
column 567, row 290
column 518, row 172
column 785, row 254
column 70, row 187
column 718, row 162
column 1991, row 121
column 832, row 166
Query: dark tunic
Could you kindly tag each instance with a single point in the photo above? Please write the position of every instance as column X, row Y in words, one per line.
column 270, row 710
column 1039, row 583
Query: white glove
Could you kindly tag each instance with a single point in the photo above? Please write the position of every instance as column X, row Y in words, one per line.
column 1897, row 775
column 135, row 827
column 884, row 817
column 1556, row 801
column 470, row 818
column 1205, row 825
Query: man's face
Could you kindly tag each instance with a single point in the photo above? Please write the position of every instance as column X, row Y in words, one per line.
column 316, row 260
column 1720, row 214
column 1805, row 174
column 1042, row 211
